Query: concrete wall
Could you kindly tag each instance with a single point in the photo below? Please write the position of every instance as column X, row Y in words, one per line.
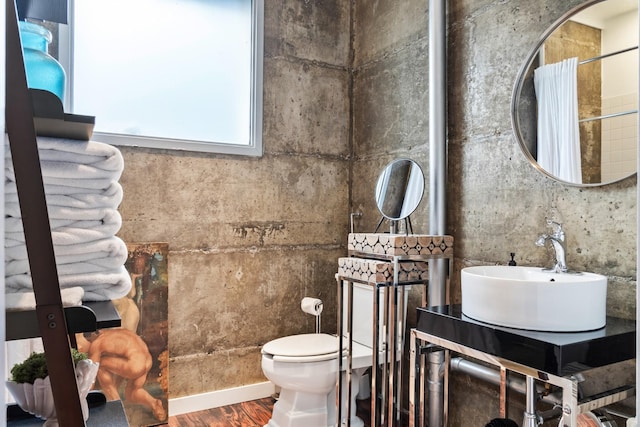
column 497, row 202
column 248, row 238
column 346, row 90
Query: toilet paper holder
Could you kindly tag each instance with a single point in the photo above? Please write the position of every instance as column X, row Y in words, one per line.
column 313, row 306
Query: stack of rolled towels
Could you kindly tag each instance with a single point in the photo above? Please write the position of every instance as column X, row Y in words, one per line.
column 83, row 195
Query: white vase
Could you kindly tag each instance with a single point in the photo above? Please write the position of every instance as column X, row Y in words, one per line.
column 37, row 398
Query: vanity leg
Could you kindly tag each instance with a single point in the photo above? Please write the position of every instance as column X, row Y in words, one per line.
column 392, row 340
column 385, row 359
column 412, row 380
column 400, row 335
column 375, row 381
column 570, row 404
column 349, row 353
column 340, row 343
column 416, row 382
column 445, row 405
column 503, row 392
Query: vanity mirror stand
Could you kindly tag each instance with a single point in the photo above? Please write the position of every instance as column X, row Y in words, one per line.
column 388, row 264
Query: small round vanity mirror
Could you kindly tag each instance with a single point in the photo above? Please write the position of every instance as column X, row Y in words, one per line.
column 574, row 107
column 399, row 189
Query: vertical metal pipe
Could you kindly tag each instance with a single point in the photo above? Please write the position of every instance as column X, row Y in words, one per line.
column 435, row 389
column 530, row 418
column 437, row 188
column 437, row 143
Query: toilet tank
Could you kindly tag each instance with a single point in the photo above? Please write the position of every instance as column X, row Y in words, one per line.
column 362, row 330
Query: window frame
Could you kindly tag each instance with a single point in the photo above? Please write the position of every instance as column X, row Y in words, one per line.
column 254, row 148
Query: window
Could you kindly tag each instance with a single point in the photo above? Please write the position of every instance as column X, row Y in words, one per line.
column 183, row 74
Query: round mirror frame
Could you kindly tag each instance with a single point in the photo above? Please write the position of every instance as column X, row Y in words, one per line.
column 403, row 211
column 517, row 90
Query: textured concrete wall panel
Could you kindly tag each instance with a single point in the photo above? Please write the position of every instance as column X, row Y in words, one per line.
column 381, row 26
column 390, row 99
column 244, row 299
column 236, row 203
column 311, row 30
column 215, row 371
column 305, row 108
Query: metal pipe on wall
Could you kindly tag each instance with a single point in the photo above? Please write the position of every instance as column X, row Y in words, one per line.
column 437, row 189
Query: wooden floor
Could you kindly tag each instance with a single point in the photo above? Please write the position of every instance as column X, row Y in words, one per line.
column 255, row 413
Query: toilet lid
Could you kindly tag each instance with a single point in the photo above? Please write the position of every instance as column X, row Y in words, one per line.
column 303, row 345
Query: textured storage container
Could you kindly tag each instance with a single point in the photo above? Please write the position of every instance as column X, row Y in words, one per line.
column 400, row 244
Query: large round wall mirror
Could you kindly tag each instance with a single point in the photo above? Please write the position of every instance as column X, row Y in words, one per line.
column 399, row 189
column 574, row 107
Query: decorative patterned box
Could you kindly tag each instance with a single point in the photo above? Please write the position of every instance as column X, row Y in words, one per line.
column 374, row 271
column 400, row 244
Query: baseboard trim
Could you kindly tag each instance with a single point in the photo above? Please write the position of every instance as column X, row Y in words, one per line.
column 214, row 399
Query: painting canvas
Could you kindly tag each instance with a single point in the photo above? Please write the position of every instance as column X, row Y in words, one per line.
column 134, row 358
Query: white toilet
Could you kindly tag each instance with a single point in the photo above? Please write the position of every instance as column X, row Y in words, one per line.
column 305, row 368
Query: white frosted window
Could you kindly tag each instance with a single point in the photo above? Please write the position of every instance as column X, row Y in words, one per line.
column 169, row 73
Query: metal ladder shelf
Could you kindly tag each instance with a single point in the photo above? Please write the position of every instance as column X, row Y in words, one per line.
column 53, row 323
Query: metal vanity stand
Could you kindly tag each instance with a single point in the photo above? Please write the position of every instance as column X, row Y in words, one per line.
column 552, row 358
column 388, row 271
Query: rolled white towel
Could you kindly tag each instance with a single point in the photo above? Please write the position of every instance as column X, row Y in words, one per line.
column 112, row 247
column 64, row 158
column 11, row 189
column 97, row 286
column 95, row 265
column 84, row 184
column 110, row 197
column 69, row 235
column 67, row 170
column 311, row 306
column 27, row 301
column 14, row 225
column 64, row 212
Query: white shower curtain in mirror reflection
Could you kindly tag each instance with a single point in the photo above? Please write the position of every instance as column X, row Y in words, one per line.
column 558, row 130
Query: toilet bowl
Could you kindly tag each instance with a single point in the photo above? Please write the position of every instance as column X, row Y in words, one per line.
column 305, row 368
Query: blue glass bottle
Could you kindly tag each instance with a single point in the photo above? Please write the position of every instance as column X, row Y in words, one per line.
column 43, row 71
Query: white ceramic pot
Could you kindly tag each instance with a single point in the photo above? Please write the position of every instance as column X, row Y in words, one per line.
column 37, row 398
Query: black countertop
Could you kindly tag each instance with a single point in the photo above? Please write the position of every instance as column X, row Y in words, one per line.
column 557, row 353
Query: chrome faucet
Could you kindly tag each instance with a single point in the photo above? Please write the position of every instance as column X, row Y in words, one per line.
column 559, row 246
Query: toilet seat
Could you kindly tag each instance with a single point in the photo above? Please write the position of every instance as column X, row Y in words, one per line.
column 303, row 348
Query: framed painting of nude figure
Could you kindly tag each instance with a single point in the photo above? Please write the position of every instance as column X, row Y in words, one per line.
column 134, row 358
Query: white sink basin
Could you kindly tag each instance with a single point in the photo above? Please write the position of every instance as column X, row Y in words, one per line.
column 533, row 299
